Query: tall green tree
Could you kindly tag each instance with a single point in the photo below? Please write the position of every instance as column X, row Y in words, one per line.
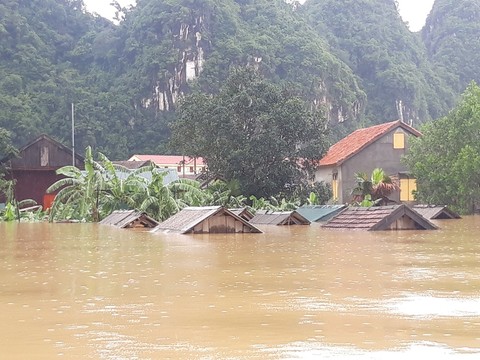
column 446, row 159
column 253, row 131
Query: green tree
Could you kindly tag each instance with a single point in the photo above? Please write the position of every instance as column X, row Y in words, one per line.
column 252, row 131
column 446, row 159
column 225, row 194
column 6, row 146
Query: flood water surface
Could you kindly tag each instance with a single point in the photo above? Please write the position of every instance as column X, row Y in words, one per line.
column 89, row 291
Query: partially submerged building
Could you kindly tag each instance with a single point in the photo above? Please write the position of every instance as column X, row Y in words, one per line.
column 395, row 217
column 436, row 212
column 127, row 219
column 244, row 213
column 380, row 146
column 320, row 213
column 34, row 169
column 185, row 166
column 266, row 217
column 209, row 219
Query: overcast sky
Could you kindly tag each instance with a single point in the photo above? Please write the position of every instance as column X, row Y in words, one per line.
column 412, row 11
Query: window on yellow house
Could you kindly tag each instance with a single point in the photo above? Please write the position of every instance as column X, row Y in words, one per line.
column 335, row 186
column 399, row 140
column 407, row 187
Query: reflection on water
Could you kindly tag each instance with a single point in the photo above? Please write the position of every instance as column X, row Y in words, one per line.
column 96, row 292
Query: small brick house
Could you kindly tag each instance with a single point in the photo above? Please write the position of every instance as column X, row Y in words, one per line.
column 380, row 146
column 34, row 169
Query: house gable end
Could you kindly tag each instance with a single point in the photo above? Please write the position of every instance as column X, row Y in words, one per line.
column 43, row 153
column 357, row 141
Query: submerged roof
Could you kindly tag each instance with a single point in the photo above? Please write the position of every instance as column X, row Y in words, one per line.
column 359, row 139
column 279, row 218
column 190, row 218
column 243, row 213
column 436, row 212
column 129, row 218
column 395, row 217
column 320, row 212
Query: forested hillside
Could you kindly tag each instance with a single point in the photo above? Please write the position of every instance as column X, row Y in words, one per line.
column 371, row 38
column 452, row 39
column 40, row 73
column 355, row 60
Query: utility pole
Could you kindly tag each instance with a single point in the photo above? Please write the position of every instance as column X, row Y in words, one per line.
column 73, row 134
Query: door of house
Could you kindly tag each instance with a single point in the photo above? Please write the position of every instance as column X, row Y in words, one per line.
column 48, row 200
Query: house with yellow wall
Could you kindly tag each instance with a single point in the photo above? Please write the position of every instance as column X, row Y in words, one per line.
column 380, row 146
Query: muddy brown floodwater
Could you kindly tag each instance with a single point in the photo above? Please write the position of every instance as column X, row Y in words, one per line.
column 89, row 291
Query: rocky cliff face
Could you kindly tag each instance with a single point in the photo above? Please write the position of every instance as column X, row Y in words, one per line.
column 192, row 44
column 188, row 67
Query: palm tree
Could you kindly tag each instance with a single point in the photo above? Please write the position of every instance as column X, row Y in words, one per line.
column 382, row 185
column 375, row 188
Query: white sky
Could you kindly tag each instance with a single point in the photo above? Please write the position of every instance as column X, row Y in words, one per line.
column 412, row 11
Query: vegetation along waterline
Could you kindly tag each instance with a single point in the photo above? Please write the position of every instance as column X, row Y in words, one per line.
column 227, row 84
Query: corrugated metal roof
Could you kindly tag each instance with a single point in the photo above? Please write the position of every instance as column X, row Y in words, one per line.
column 243, row 213
column 169, row 177
column 320, row 212
column 279, row 218
column 173, row 160
column 128, row 218
column 377, row 218
column 132, row 164
column 187, row 219
column 353, row 143
column 435, row 212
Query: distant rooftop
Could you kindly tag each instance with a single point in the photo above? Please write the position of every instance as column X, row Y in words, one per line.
column 168, row 159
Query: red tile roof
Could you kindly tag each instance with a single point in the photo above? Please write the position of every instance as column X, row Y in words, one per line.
column 168, row 159
column 358, row 140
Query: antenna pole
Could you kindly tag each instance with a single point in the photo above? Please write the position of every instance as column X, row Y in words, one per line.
column 73, row 134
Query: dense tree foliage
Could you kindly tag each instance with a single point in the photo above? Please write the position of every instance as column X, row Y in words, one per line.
column 252, row 131
column 371, row 38
column 103, row 187
column 127, row 79
column 446, row 159
column 451, row 36
column 38, row 79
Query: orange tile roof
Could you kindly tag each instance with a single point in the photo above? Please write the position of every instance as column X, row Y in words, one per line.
column 356, row 141
column 168, row 159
